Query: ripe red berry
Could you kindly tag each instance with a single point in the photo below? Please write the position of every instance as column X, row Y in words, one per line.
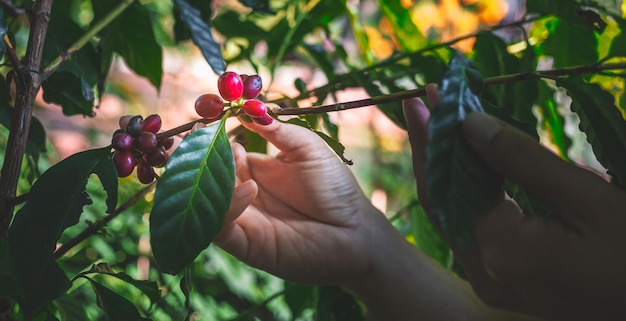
column 254, row 108
column 230, row 86
column 209, row 105
column 124, row 161
column 145, row 142
column 135, row 126
column 122, row 141
column 252, row 86
column 152, row 123
column 145, row 173
column 265, row 120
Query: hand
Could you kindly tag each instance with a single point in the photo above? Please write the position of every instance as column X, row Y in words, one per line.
column 299, row 215
column 567, row 265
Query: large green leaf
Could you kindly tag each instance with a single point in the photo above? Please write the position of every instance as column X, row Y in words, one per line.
column 192, row 198
column 55, row 203
column 459, row 184
column 115, row 306
column 132, row 37
column 149, row 288
column 618, row 46
column 602, row 122
column 570, row 44
column 492, row 59
column 74, row 90
column 426, row 236
column 201, row 35
column 335, row 304
column 7, row 285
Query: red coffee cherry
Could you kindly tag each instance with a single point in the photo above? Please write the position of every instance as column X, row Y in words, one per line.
column 122, row 141
column 254, row 108
column 166, row 142
column 156, row 158
column 152, row 123
column 209, row 105
column 230, row 86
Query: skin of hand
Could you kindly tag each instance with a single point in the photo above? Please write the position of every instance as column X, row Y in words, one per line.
column 301, row 216
column 567, row 266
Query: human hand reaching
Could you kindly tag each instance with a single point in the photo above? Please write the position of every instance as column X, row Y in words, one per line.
column 303, row 216
column 567, row 265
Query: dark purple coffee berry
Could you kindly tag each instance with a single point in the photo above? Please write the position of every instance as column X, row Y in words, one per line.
column 152, row 123
column 122, row 141
column 156, row 158
column 135, row 126
column 124, row 161
column 145, row 142
column 252, row 86
column 145, row 173
column 166, row 142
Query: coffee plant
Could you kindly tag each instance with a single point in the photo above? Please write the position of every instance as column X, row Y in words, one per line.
column 68, row 230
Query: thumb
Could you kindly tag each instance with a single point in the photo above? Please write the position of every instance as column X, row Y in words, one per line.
column 523, row 161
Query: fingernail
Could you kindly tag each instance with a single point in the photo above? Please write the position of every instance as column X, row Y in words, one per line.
column 244, row 189
column 480, row 128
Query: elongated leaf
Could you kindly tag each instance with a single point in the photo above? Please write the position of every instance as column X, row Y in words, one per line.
column 426, row 236
column 132, row 37
column 115, row 306
column 192, row 198
column 149, row 288
column 299, row 298
column 7, row 285
column 70, row 307
column 460, row 186
column 602, row 122
column 55, row 203
column 570, row 44
column 618, row 46
column 201, row 35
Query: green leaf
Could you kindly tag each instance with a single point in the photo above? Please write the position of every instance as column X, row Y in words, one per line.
column 570, row 44
column 334, row 304
column 299, row 298
column 149, row 288
column 132, row 37
column 192, row 198
column 3, row 31
column 55, row 203
column 406, row 32
column 569, row 10
column 459, row 184
column 618, row 46
column 71, row 307
column 427, row 238
column 492, row 59
column 201, row 35
column 335, row 145
column 602, row 122
column 74, row 92
column 66, row 89
column 115, row 306
column 181, row 31
column 552, row 121
column 7, row 285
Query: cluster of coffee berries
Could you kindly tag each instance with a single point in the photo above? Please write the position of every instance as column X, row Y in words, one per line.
column 136, row 145
column 241, row 92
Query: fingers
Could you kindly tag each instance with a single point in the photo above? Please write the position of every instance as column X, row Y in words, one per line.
column 417, row 116
column 523, row 161
column 286, row 137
